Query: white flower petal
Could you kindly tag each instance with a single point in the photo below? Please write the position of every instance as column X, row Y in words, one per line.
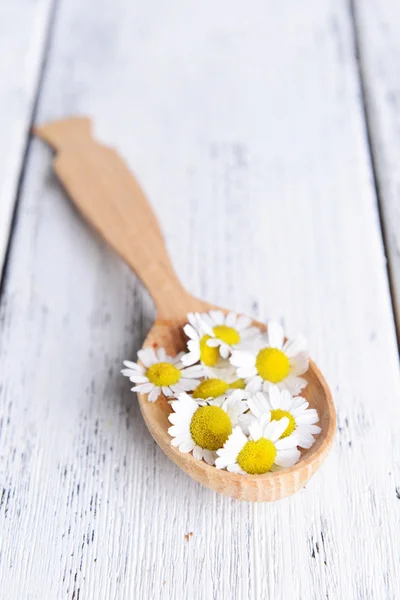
column 191, row 332
column 195, row 371
column 308, row 417
column 174, row 418
column 258, row 404
column 209, row 456
column 191, row 357
column 177, row 359
column 187, row 446
column 128, row 372
column 294, row 384
column 206, row 324
column 295, row 345
column 242, row 359
column 174, row 441
column 286, row 399
column 177, row 431
column 224, row 350
column 250, row 333
column 235, row 468
column 314, row 429
column 275, row 335
column 198, row 452
column 143, row 388
column 299, row 364
column 138, row 378
column 147, row 356
column 222, row 370
column 213, row 342
column 182, row 434
column 287, row 458
column 274, row 395
column 192, row 319
column 194, row 347
column 187, row 385
column 275, row 429
column 305, row 440
column 217, row 316
column 254, row 385
column 231, row 448
column 230, row 320
column 242, row 323
column 287, row 442
column 255, row 430
column 176, row 389
column 234, row 407
column 298, row 405
column 162, row 355
column 154, row 394
column 134, row 366
column 245, row 421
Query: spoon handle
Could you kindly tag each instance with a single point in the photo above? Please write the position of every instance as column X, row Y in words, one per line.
column 109, row 197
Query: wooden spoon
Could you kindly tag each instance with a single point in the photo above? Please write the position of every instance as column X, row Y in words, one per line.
column 110, row 199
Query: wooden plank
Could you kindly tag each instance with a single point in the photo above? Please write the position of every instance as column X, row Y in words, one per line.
column 23, row 32
column 246, row 130
column 378, row 32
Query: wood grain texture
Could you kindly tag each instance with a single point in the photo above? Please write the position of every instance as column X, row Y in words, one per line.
column 247, row 135
column 23, row 32
column 378, row 29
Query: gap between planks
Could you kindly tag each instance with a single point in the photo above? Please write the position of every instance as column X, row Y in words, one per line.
column 385, row 213
column 9, row 208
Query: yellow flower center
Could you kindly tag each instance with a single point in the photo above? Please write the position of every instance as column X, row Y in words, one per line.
column 163, row 373
column 210, row 388
column 278, row 414
column 257, row 457
column 210, row 427
column 227, row 334
column 239, row 384
column 208, row 355
column 272, row 364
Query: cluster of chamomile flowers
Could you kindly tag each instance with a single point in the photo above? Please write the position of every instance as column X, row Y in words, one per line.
column 235, row 395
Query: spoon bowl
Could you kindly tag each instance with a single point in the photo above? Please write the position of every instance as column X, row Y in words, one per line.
column 254, row 488
column 108, row 196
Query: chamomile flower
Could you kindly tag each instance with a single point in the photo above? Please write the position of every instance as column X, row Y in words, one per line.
column 161, row 373
column 197, row 346
column 280, row 403
column 202, row 428
column 219, row 384
column 228, row 331
column 262, row 451
column 275, row 361
column 215, row 334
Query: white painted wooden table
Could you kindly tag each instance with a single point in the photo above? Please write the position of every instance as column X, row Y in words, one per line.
column 267, row 136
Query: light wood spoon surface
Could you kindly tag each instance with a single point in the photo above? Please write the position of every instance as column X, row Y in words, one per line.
column 108, row 196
